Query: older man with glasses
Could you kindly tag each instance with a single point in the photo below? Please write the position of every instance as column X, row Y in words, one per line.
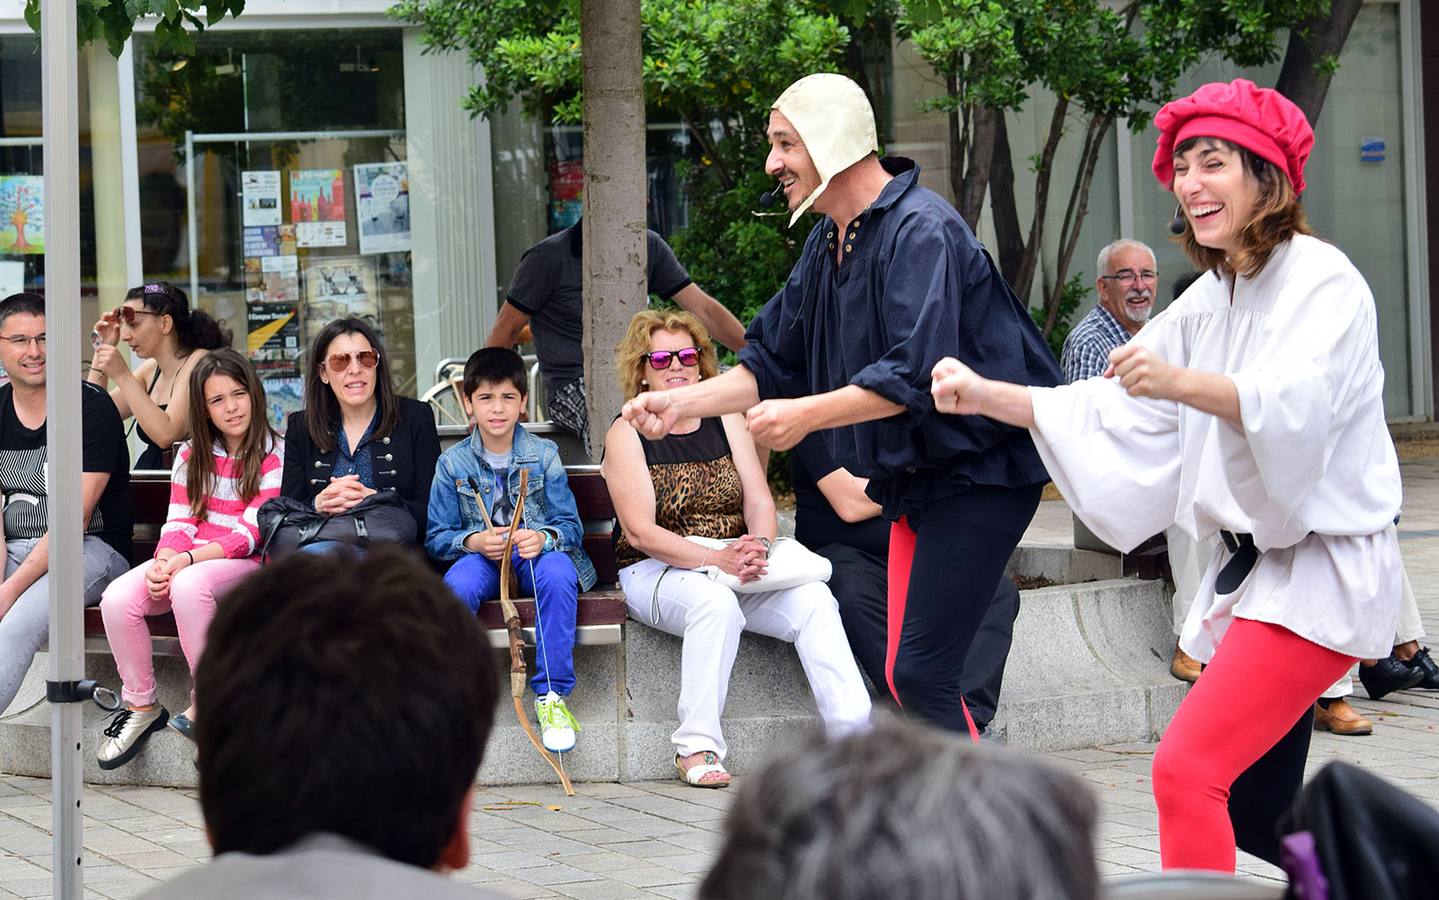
column 1126, row 283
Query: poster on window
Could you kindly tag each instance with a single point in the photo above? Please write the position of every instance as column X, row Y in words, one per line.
column 339, row 286
column 22, row 214
column 260, row 198
column 272, row 270
column 274, row 339
column 317, row 207
column 382, row 207
column 282, row 397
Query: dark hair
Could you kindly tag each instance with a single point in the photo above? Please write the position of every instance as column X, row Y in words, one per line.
column 1182, row 283
column 343, row 694
column 23, row 303
column 322, row 409
column 195, row 329
column 1276, row 218
column 200, row 474
column 907, row 811
column 496, row 365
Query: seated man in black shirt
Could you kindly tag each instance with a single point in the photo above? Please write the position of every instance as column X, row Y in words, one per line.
column 835, row 518
column 25, row 479
column 546, row 294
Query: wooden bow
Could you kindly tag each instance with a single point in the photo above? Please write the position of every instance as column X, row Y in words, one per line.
column 518, row 676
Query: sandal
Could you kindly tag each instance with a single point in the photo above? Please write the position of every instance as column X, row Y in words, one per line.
column 710, row 765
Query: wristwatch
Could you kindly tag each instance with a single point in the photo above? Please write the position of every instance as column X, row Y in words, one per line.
column 768, row 544
column 549, row 541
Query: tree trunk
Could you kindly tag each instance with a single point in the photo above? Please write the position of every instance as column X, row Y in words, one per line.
column 958, row 134
column 969, row 200
column 1008, row 241
column 1300, row 78
column 1034, row 245
column 614, row 203
column 1074, row 216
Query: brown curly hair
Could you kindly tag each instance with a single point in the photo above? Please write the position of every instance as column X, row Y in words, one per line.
column 630, row 361
column 1277, row 216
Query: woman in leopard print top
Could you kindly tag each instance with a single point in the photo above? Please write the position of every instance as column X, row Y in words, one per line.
column 704, row 479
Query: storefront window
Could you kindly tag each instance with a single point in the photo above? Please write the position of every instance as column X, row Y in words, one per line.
column 274, row 186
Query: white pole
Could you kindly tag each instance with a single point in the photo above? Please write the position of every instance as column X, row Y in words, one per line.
column 62, row 319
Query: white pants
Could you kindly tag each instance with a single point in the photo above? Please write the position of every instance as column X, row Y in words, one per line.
column 1187, row 561
column 709, row 617
column 1409, row 628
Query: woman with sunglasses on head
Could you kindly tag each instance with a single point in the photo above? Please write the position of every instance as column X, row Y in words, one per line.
column 209, row 542
column 355, row 435
column 703, row 479
column 1250, row 413
column 157, row 322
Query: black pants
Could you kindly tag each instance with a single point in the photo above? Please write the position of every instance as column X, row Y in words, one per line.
column 859, row 584
column 1266, row 790
column 961, row 545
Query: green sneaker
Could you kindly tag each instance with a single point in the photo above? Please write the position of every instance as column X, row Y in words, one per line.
column 557, row 723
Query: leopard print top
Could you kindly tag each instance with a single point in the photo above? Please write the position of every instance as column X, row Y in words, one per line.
column 697, row 488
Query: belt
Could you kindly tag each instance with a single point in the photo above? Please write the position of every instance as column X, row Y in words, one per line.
column 1243, row 556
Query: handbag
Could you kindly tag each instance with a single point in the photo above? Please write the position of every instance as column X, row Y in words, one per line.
column 790, row 565
column 287, row 524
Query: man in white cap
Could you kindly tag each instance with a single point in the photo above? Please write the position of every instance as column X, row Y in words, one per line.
column 891, row 280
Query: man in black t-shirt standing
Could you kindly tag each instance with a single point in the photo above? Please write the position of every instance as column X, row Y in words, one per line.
column 24, row 480
column 546, row 293
column 835, row 518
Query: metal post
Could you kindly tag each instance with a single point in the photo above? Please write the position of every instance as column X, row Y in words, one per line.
column 62, row 319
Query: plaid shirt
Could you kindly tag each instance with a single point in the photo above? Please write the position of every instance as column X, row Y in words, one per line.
column 1086, row 350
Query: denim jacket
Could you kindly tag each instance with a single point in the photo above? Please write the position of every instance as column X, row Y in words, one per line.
column 455, row 507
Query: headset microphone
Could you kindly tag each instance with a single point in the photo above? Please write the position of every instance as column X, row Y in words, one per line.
column 768, row 199
column 1177, row 225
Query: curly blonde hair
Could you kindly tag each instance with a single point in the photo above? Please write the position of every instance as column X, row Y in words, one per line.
column 630, row 354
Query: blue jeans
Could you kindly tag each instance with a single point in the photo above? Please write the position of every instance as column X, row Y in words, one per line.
column 551, row 579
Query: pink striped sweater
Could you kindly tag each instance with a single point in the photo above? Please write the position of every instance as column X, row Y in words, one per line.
column 229, row 521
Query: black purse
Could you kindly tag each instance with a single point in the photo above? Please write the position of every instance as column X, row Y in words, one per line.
column 287, row 524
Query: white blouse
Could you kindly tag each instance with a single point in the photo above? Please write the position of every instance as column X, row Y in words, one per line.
column 1312, row 474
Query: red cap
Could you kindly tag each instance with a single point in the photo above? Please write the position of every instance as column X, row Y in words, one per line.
column 1261, row 120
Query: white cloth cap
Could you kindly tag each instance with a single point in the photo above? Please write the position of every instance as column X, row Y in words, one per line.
column 834, row 119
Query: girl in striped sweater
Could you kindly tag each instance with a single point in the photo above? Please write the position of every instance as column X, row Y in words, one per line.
column 232, row 464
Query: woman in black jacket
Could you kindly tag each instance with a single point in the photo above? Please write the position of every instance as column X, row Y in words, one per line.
column 355, row 436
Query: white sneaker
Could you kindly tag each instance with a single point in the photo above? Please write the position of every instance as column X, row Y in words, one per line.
column 127, row 733
column 557, row 723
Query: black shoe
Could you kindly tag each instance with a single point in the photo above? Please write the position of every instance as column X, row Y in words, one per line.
column 1422, row 663
column 1388, row 675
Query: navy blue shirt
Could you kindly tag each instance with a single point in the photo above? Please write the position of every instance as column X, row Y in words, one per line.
column 915, row 285
column 359, row 461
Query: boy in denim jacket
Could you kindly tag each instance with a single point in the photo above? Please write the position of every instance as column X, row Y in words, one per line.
column 484, row 471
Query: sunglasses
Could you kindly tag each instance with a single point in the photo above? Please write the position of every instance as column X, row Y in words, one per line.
column 339, row 362
column 661, row 359
column 127, row 314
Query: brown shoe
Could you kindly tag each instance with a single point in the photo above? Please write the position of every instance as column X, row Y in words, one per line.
column 1184, row 667
column 1341, row 718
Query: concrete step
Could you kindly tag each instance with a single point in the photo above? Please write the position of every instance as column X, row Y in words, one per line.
column 1089, row 666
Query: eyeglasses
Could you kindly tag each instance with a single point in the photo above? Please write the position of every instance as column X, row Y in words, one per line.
column 21, row 341
column 339, row 362
column 1129, row 276
column 127, row 314
column 661, row 359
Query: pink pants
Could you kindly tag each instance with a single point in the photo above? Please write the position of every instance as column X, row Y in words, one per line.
column 193, row 591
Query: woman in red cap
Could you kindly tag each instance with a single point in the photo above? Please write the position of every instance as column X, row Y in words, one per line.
column 1251, row 408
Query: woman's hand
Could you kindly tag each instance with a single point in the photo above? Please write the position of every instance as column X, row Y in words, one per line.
column 108, row 327
column 109, row 360
column 1143, row 373
column 341, row 495
column 956, row 388
column 744, row 557
column 529, row 543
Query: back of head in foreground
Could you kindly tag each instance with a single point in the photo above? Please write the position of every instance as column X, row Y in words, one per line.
column 907, row 811
column 343, row 695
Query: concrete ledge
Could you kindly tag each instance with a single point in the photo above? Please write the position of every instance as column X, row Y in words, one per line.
column 1090, row 665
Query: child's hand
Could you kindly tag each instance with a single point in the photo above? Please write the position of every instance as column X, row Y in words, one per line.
column 529, row 543
column 157, row 579
column 491, row 544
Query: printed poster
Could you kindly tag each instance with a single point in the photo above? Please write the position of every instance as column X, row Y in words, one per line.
column 260, row 196
column 317, row 207
column 22, row 214
column 274, row 339
column 272, row 270
column 339, row 286
column 382, row 207
column 282, row 397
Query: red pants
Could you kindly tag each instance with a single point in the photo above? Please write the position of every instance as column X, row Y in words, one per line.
column 1262, row 679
